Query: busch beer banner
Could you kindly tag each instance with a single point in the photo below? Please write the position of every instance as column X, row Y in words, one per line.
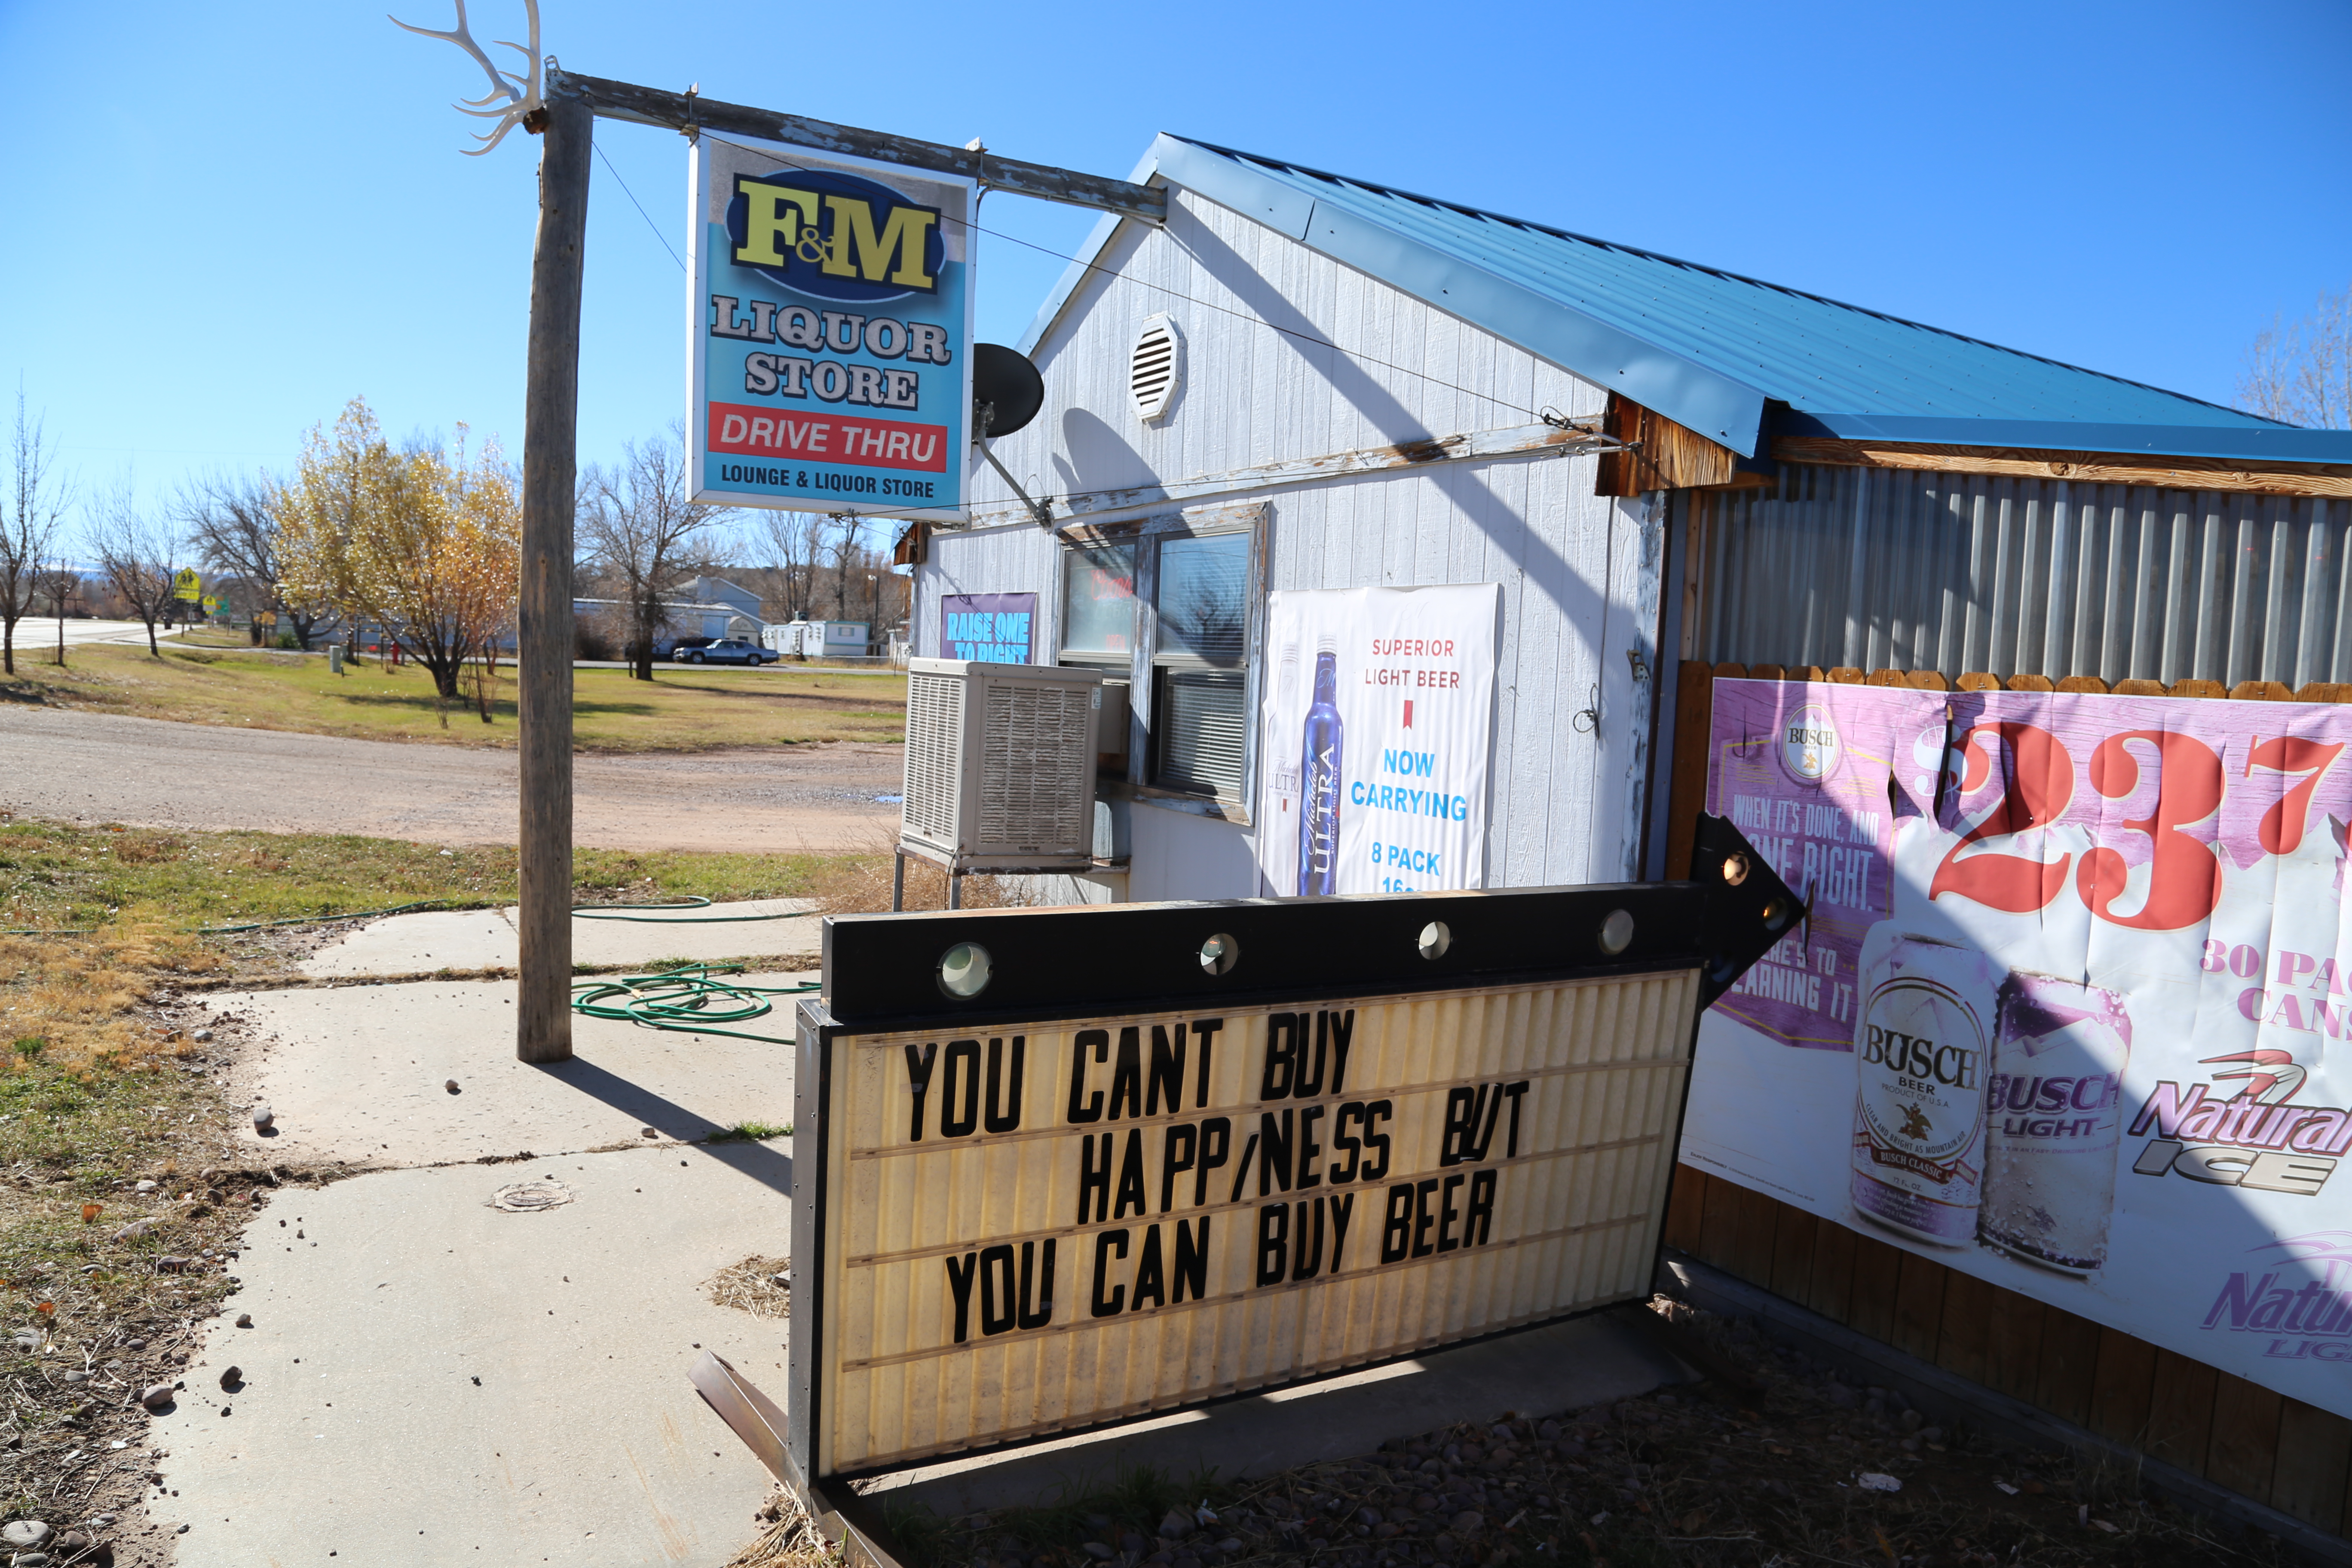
column 2065, row 1013
column 829, row 309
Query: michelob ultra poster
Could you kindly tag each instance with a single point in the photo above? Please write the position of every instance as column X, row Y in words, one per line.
column 830, row 314
column 1373, row 735
column 2071, row 1011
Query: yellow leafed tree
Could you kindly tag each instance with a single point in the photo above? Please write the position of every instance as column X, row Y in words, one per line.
column 426, row 543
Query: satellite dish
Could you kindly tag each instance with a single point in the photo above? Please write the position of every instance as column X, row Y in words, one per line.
column 1006, row 387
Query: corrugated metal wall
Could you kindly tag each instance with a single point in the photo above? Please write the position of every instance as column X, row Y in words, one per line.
column 1875, row 568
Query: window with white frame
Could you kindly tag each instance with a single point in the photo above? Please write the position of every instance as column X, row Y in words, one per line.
column 1172, row 604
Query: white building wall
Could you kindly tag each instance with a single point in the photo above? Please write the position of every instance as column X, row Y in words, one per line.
column 1580, row 574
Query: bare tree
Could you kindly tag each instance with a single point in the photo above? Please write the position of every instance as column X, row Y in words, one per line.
column 848, row 551
column 639, row 527
column 795, row 543
column 135, row 550
column 2301, row 372
column 37, row 504
column 233, row 523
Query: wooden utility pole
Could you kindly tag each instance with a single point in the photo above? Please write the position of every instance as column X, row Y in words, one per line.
column 544, row 634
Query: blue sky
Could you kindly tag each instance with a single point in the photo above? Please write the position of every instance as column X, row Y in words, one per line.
column 223, row 220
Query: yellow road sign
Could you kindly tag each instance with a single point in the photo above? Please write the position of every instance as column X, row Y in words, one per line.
column 187, row 584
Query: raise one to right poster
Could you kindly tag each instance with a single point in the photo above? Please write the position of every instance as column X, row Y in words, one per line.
column 2071, row 1008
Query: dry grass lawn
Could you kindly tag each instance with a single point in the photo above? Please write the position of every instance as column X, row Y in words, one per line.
column 107, row 1082
column 682, row 708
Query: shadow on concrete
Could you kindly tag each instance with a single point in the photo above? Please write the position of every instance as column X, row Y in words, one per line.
column 1602, row 1356
column 771, row 1168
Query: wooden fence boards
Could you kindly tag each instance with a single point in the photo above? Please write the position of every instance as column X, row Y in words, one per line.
column 2314, row 1463
column 1720, row 1225
column 2180, row 1410
column 1833, row 1286
column 1919, row 1304
column 2243, row 1451
column 2276, row 1450
column 1876, row 1265
column 1686, row 1209
column 2070, row 1361
column 1965, row 1344
column 1792, row 1252
column 1751, row 1241
column 2013, row 1344
column 2121, row 1390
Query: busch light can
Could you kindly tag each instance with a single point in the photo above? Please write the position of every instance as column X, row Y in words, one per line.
column 1921, row 1045
column 2052, row 1105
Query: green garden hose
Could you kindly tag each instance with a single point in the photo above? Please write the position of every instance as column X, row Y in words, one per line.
column 687, row 1000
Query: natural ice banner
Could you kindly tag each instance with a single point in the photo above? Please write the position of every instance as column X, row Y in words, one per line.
column 1373, row 736
column 2063, row 1013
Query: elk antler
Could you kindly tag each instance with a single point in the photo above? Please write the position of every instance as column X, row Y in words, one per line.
column 522, row 94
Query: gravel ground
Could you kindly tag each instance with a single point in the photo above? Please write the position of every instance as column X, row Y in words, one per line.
column 75, row 1451
column 101, row 767
column 1788, row 1468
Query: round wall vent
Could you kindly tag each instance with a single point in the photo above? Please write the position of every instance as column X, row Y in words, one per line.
column 1156, row 369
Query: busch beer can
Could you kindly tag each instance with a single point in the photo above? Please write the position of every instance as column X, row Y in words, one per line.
column 1920, row 1048
column 2051, row 1109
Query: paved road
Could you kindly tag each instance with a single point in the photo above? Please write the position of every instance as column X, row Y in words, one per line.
column 97, row 767
column 34, row 635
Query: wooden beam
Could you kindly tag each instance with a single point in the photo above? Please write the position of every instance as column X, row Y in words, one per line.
column 544, row 633
column 1661, row 455
column 1693, row 742
column 1517, row 441
column 651, row 106
column 1686, row 1208
column 2089, row 468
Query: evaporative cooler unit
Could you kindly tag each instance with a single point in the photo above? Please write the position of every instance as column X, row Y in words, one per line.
column 1000, row 765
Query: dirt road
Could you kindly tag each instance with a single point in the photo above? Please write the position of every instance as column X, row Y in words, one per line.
column 94, row 767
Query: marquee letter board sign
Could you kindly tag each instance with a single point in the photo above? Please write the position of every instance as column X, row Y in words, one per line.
column 1115, row 1179
column 829, row 310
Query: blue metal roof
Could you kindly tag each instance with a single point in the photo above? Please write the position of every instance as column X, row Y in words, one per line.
column 1707, row 348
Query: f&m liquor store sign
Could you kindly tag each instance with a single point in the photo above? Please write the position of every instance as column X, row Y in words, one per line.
column 829, row 315
column 1059, row 1168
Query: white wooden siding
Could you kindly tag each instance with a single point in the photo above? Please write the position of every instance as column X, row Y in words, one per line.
column 1254, row 306
column 1579, row 574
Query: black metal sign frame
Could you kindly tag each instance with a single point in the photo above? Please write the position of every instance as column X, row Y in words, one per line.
column 882, row 974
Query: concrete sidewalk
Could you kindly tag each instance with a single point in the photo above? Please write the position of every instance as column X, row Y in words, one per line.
column 486, row 938
column 360, row 1074
column 430, row 1381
